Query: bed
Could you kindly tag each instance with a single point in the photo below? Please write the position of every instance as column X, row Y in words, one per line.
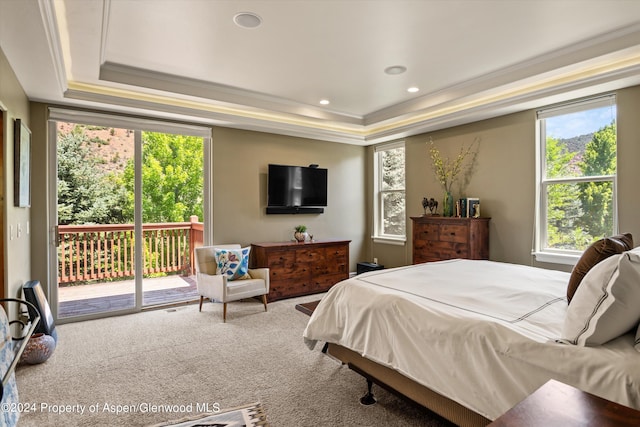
column 469, row 339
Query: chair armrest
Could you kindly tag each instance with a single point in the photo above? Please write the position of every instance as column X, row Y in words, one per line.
column 213, row 286
column 260, row 273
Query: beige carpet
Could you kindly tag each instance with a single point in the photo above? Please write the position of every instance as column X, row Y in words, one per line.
column 122, row 371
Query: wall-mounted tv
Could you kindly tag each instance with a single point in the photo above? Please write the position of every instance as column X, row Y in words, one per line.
column 296, row 189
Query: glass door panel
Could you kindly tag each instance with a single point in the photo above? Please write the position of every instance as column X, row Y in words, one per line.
column 172, row 215
column 94, row 233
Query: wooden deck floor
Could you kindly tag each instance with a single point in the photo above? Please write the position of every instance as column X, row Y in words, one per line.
column 78, row 302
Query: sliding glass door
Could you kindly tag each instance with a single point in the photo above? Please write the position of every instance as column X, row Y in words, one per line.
column 172, row 213
column 129, row 210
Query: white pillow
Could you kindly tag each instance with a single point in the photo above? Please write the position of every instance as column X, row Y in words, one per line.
column 607, row 303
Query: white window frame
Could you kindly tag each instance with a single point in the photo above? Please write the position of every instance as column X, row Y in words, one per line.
column 550, row 255
column 138, row 125
column 378, row 205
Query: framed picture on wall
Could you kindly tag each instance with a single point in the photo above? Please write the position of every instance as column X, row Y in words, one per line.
column 22, row 165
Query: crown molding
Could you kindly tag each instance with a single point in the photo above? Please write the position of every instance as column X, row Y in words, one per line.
column 584, row 52
column 134, row 76
column 263, row 121
column 50, row 25
column 512, row 97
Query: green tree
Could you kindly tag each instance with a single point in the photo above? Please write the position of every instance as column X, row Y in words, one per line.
column 172, row 167
column 596, row 198
column 85, row 195
column 393, row 177
column 563, row 206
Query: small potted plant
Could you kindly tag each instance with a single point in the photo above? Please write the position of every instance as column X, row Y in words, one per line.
column 300, row 233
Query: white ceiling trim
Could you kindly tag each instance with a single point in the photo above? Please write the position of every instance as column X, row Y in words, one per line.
column 529, row 90
column 50, row 23
column 264, row 121
column 603, row 49
column 606, row 62
column 480, row 105
column 124, row 74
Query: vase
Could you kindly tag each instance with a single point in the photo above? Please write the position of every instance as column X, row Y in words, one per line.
column 300, row 236
column 447, row 204
column 39, row 348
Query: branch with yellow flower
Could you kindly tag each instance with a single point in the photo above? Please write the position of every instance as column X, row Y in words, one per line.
column 447, row 170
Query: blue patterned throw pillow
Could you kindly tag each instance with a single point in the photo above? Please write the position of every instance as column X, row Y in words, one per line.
column 233, row 263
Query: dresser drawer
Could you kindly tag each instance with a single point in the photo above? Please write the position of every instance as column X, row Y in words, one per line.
column 299, row 270
column 454, row 233
column 445, row 250
column 427, row 232
column 290, row 287
column 310, row 255
column 324, row 282
column 281, row 259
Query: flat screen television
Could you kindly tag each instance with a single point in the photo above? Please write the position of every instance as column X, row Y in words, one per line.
column 296, row 187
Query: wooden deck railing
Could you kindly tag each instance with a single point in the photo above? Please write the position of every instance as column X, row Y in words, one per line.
column 106, row 252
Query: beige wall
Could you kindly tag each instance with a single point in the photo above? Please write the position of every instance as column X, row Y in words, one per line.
column 504, row 178
column 628, row 102
column 239, row 194
column 240, row 161
column 17, row 246
column 39, row 199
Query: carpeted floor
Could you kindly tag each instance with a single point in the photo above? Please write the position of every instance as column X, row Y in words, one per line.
column 159, row 365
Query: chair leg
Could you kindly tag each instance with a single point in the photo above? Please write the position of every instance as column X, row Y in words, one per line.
column 201, row 299
column 224, row 312
column 264, row 301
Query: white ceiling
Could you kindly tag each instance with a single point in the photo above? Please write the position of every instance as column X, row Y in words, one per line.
column 187, row 60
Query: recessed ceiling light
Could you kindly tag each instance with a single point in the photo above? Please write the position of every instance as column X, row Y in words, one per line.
column 324, row 101
column 247, row 20
column 395, row 69
column 413, row 89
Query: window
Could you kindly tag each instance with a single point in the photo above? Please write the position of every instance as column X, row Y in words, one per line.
column 390, row 193
column 576, row 199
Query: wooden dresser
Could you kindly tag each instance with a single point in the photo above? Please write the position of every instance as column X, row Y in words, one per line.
column 436, row 238
column 301, row 268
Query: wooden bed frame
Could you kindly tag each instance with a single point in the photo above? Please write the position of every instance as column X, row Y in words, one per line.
column 399, row 384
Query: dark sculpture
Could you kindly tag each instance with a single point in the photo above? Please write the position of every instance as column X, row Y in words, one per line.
column 430, row 204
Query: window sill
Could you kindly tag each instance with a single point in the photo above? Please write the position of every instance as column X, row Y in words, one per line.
column 556, row 258
column 399, row 241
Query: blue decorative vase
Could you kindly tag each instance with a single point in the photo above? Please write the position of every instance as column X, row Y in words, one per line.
column 39, row 348
column 447, row 204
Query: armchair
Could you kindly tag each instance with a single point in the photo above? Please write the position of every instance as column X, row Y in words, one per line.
column 218, row 288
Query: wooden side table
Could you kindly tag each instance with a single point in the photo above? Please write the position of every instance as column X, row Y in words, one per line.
column 558, row 404
column 307, row 307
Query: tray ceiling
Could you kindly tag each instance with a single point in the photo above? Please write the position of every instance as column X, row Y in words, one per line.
column 188, row 60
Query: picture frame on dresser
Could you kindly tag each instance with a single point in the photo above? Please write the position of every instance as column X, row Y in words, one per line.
column 472, row 204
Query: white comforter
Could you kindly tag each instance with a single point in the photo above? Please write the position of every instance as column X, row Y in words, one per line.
column 481, row 333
